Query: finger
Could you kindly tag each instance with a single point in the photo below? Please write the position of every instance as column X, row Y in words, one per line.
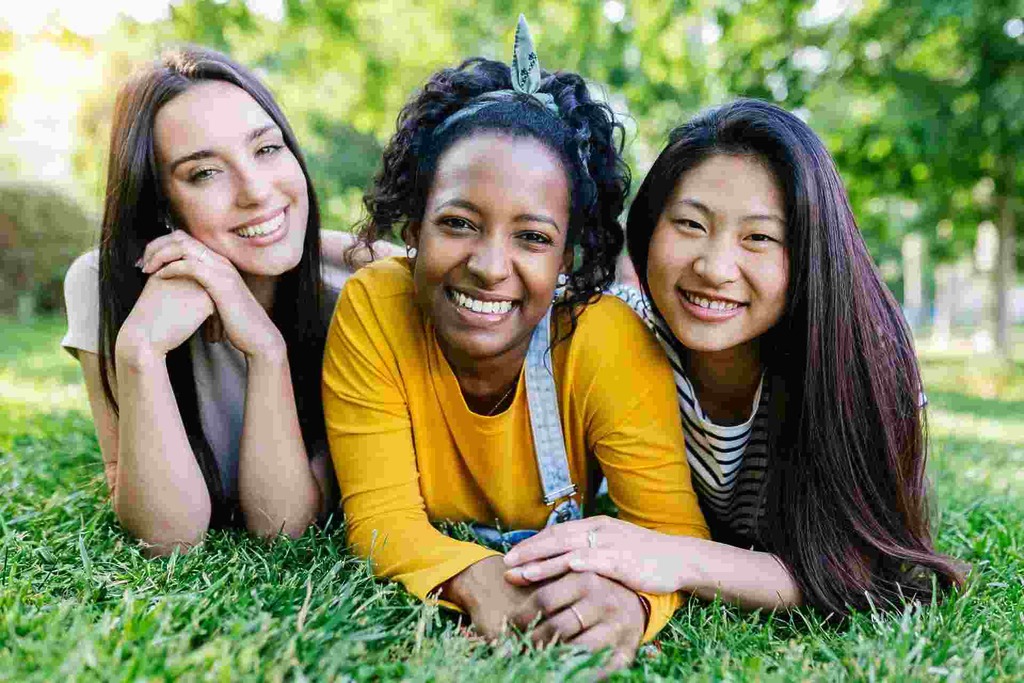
column 169, row 251
column 183, row 268
column 535, row 572
column 604, row 561
column 554, row 597
column 620, row 659
column 175, row 248
column 601, row 635
column 555, row 540
column 175, row 237
column 569, row 622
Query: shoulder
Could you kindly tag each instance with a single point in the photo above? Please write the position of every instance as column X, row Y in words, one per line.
column 610, row 334
column 612, row 316
column 84, row 270
column 382, row 280
column 378, row 296
column 82, row 302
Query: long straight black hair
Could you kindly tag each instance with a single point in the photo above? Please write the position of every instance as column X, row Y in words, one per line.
column 846, row 494
column 135, row 213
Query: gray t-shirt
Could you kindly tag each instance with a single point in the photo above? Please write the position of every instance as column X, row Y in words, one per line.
column 219, row 368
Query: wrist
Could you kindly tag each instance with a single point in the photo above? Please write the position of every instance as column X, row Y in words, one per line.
column 465, row 588
column 271, row 351
column 133, row 351
column 689, row 576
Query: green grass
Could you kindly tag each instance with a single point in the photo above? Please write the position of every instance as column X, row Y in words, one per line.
column 79, row 602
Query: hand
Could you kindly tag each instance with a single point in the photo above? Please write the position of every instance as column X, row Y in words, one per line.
column 482, row 591
column 587, row 610
column 245, row 322
column 638, row 558
column 167, row 313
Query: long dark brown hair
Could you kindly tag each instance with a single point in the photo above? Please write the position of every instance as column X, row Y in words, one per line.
column 134, row 213
column 846, row 494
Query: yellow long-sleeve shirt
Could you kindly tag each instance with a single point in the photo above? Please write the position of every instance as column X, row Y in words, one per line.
column 407, row 449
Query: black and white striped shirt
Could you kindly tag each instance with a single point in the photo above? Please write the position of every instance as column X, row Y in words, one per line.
column 727, row 463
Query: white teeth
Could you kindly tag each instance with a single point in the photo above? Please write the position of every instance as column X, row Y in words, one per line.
column 478, row 306
column 712, row 304
column 264, row 228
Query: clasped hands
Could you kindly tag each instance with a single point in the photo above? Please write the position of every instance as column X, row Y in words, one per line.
column 190, row 285
column 579, row 608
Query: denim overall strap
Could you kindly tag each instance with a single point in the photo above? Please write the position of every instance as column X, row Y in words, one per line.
column 548, row 440
column 548, row 444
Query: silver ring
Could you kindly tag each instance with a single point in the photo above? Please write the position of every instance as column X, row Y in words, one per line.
column 592, row 538
column 576, row 613
column 202, row 255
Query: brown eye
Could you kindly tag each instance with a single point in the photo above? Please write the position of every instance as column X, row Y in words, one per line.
column 201, row 174
column 535, row 237
column 688, row 224
column 267, row 150
column 456, row 223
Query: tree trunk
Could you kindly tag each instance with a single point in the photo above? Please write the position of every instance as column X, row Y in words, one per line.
column 1005, row 275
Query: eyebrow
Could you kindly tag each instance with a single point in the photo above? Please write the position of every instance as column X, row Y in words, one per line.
column 253, row 134
column 750, row 217
column 523, row 217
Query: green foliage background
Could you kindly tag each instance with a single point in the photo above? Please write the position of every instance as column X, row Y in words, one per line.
column 919, row 101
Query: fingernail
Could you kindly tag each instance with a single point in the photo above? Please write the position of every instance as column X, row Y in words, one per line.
column 514, row 574
column 138, row 264
column 577, row 564
column 530, row 573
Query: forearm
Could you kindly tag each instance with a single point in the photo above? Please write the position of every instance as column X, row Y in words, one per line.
column 159, row 493
column 277, row 489
column 746, row 578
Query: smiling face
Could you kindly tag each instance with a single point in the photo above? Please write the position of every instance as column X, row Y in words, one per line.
column 491, row 244
column 717, row 265
column 231, row 181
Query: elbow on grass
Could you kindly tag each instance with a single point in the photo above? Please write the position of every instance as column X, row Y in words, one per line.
column 161, row 537
column 269, row 530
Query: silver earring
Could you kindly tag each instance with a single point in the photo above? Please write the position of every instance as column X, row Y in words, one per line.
column 410, row 252
column 563, row 279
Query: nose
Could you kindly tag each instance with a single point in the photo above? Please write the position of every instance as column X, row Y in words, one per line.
column 489, row 261
column 716, row 264
column 254, row 187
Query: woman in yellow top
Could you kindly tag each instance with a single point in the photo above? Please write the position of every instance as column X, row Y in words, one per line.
column 437, row 384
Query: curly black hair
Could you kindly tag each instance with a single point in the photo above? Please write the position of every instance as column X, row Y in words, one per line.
column 585, row 135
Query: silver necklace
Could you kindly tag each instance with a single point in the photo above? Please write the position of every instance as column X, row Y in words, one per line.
column 502, row 399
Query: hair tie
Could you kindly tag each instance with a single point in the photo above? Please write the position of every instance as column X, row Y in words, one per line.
column 525, row 81
column 526, row 66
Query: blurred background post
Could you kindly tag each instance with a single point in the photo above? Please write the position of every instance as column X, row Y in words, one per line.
column 921, row 103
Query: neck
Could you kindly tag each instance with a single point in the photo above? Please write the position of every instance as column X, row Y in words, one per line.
column 262, row 288
column 726, row 381
column 486, row 384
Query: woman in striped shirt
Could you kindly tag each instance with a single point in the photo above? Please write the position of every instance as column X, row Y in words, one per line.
column 798, row 385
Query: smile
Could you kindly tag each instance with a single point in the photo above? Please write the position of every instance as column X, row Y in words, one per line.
column 267, row 227
column 466, row 302
column 711, row 304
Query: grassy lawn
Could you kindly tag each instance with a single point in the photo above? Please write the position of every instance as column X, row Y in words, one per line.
column 79, row 602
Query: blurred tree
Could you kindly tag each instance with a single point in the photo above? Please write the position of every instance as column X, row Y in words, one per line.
column 42, row 230
column 917, row 101
column 937, row 91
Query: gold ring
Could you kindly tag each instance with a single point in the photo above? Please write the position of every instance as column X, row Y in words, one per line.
column 576, row 613
column 592, row 538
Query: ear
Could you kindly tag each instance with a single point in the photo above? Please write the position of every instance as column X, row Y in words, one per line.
column 567, row 259
column 411, row 234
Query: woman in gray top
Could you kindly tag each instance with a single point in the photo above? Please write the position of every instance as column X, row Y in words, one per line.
column 200, row 321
